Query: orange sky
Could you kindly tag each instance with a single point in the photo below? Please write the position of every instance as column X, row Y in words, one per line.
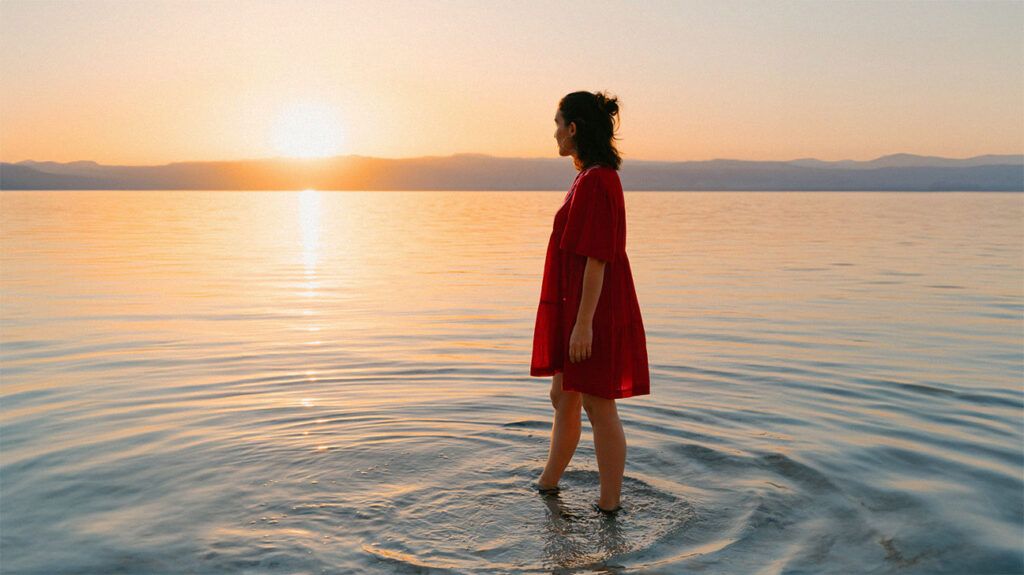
column 155, row 82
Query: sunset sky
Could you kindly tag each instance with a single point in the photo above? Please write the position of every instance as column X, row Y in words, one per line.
column 152, row 82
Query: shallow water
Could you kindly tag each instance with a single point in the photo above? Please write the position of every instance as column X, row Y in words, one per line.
column 337, row 382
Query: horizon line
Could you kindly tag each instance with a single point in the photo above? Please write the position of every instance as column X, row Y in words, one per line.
column 325, row 158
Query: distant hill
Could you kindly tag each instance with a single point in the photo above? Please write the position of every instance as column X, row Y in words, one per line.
column 897, row 172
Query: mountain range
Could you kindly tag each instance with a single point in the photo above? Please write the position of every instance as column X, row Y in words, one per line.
column 896, row 172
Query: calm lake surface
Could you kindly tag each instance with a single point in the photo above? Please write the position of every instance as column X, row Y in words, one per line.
column 337, row 382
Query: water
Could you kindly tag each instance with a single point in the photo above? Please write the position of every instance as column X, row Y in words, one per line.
column 211, row 382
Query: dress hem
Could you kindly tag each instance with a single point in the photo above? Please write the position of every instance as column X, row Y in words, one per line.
column 544, row 372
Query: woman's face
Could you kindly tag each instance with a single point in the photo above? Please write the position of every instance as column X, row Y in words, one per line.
column 564, row 135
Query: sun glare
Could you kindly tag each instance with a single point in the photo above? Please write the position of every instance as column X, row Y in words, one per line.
column 307, row 130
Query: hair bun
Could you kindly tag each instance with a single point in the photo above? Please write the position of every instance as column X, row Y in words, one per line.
column 610, row 106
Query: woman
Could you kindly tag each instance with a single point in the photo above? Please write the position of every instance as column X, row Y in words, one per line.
column 589, row 335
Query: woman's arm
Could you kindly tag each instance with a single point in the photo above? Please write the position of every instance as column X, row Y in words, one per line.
column 593, row 281
column 583, row 332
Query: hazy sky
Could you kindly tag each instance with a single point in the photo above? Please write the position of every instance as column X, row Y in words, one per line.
column 151, row 82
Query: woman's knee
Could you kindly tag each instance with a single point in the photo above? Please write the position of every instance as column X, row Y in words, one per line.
column 563, row 399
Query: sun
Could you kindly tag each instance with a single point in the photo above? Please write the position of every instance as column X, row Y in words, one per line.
column 306, row 130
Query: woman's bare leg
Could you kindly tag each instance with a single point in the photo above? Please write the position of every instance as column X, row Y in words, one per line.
column 565, row 432
column 609, row 445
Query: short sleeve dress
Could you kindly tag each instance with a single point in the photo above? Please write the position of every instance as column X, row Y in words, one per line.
column 591, row 222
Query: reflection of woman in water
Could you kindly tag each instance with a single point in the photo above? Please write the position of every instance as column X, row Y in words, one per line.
column 589, row 335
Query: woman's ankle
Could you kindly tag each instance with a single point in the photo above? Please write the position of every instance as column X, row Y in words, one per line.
column 544, row 484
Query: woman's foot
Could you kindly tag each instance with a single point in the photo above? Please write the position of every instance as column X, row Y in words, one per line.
column 545, row 486
column 545, row 490
column 608, row 511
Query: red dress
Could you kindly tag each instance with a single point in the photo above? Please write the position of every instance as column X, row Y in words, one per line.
column 591, row 222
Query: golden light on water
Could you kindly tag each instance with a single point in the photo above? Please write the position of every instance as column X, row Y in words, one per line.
column 309, row 226
column 310, row 216
column 307, row 130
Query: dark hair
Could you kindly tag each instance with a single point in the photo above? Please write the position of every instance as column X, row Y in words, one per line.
column 595, row 132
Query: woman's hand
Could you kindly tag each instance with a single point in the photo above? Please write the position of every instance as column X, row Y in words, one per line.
column 580, row 341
